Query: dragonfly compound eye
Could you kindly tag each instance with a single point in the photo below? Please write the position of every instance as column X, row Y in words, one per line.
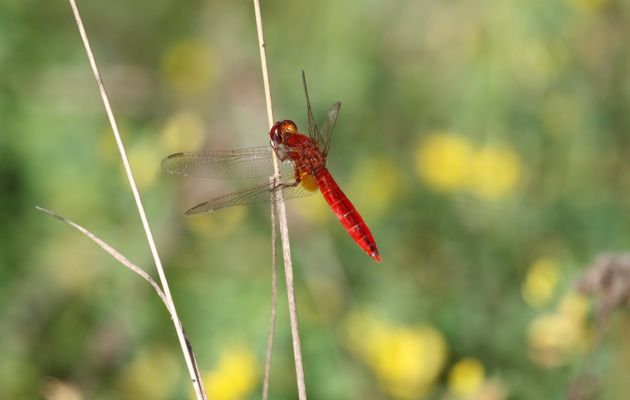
column 276, row 133
column 289, row 127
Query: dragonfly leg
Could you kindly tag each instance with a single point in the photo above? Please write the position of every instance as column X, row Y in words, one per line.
column 299, row 176
column 281, row 186
column 284, row 185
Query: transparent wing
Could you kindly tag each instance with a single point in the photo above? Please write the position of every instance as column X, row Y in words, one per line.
column 247, row 163
column 322, row 138
column 313, row 132
column 327, row 127
column 254, row 195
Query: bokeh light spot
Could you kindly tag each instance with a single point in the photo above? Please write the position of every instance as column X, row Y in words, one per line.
column 466, row 377
column 494, row 172
column 540, row 282
column 555, row 337
column 145, row 163
column 443, row 161
column 406, row 360
column 235, row 375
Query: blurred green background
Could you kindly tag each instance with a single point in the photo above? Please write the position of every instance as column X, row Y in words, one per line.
column 485, row 143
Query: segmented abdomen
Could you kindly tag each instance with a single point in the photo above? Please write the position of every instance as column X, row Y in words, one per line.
column 346, row 213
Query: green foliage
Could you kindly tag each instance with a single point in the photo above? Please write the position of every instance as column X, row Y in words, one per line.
column 485, row 144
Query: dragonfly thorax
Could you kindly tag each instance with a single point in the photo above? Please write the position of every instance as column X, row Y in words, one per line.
column 289, row 144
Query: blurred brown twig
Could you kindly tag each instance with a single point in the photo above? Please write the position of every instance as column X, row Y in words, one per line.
column 607, row 280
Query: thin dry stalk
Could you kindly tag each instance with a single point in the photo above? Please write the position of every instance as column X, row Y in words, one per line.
column 274, row 300
column 282, row 220
column 197, row 384
column 112, row 251
column 125, row 262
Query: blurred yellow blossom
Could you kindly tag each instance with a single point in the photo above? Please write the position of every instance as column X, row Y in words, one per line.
column 443, row 161
column 406, row 360
column 188, row 66
column 182, row 132
column 574, row 306
column 494, row 172
column 540, row 282
column 234, row 377
column 145, row 161
column 448, row 162
column 466, row 377
column 554, row 338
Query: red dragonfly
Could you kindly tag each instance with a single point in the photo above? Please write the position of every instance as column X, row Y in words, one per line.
column 302, row 171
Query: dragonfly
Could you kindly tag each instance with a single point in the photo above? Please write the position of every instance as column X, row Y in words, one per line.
column 302, row 172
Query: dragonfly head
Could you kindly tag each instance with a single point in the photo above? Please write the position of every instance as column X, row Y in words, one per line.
column 280, row 130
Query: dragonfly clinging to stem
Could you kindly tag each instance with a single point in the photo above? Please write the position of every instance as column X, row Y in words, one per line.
column 302, row 171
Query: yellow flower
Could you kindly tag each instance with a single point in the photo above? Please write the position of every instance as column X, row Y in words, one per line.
column 145, row 163
column 553, row 338
column 494, row 172
column 466, row 377
column 234, row 377
column 187, row 67
column 574, row 306
column 406, row 360
column 443, row 161
column 540, row 283
column 448, row 162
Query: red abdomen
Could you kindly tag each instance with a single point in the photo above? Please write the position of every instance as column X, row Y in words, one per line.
column 346, row 213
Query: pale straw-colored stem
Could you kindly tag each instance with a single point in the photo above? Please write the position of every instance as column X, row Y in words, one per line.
column 274, row 299
column 112, row 251
column 282, row 221
column 196, row 381
column 125, row 262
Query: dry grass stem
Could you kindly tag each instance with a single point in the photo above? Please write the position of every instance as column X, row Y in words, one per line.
column 274, row 300
column 282, row 221
column 112, row 251
column 125, row 262
column 197, row 384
